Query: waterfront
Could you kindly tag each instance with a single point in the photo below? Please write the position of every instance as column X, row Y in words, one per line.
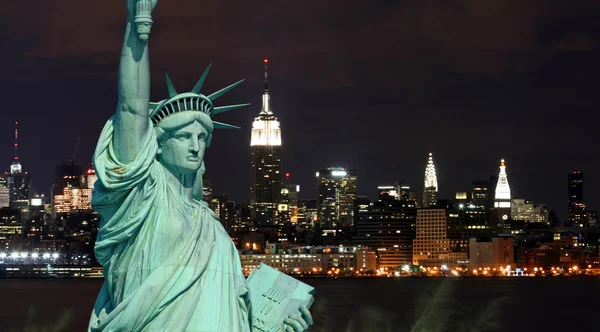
column 374, row 304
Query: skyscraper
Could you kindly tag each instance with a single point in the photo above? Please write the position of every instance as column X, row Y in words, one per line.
column 336, row 192
column 431, row 184
column 17, row 181
column 388, row 227
column 4, row 193
column 483, row 192
column 576, row 206
column 265, row 146
column 502, row 197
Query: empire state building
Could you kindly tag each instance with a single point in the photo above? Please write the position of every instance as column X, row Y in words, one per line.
column 265, row 145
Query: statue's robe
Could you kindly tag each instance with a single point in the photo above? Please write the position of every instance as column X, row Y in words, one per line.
column 169, row 264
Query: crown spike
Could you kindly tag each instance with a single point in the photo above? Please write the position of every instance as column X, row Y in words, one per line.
column 198, row 85
column 172, row 91
column 220, row 125
column 219, row 93
column 222, row 109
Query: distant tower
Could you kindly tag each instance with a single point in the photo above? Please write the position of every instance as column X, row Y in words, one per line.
column 18, row 182
column 265, row 146
column 502, row 198
column 431, row 184
column 576, row 206
column 16, row 168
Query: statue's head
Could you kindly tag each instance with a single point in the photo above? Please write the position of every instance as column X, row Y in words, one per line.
column 184, row 126
column 182, row 140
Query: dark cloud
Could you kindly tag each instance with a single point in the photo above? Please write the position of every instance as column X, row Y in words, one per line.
column 369, row 85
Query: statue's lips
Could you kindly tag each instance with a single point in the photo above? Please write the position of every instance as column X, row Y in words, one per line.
column 193, row 158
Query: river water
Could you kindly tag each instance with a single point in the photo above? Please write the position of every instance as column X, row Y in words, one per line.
column 386, row 304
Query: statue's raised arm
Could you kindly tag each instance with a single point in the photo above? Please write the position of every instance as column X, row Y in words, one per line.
column 131, row 121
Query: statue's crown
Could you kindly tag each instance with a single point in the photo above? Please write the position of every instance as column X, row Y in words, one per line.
column 192, row 101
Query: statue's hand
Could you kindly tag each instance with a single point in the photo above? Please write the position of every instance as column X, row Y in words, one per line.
column 141, row 13
column 298, row 323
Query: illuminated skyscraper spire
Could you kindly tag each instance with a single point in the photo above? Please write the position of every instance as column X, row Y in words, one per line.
column 265, row 145
column 266, row 106
column 265, row 128
column 502, row 199
column 430, row 177
column 431, row 184
column 16, row 165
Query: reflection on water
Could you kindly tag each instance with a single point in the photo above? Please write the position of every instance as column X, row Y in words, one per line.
column 435, row 310
column 31, row 323
column 351, row 305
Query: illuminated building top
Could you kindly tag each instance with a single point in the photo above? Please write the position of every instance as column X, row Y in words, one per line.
column 502, row 188
column 430, row 177
column 265, row 128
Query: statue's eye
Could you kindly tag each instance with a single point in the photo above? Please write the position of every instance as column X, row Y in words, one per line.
column 181, row 136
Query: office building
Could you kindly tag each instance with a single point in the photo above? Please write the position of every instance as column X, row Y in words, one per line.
column 337, row 188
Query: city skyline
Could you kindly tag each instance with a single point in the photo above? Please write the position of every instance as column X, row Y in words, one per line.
column 470, row 96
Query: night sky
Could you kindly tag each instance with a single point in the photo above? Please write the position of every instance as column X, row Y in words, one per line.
column 374, row 86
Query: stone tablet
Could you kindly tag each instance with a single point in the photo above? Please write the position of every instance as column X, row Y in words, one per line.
column 274, row 296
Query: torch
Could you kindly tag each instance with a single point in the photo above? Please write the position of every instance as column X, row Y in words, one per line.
column 143, row 19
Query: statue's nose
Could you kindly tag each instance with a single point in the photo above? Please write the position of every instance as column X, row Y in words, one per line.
column 195, row 146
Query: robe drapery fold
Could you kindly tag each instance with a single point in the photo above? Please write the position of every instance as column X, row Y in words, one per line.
column 169, row 265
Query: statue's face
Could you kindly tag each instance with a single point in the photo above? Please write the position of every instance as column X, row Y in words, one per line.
column 183, row 150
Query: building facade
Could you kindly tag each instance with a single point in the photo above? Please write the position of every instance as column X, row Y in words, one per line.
column 388, row 228
column 337, row 188
column 527, row 211
column 483, row 192
column 434, row 244
column 497, row 253
column 576, row 206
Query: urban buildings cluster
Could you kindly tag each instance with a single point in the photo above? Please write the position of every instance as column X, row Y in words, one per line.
column 337, row 232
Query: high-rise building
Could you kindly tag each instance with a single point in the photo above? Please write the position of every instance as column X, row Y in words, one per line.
column 576, row 208
column 405, row 192
column 397, row 191
column 388, row 227
column 483, row 192
column 4, row 194
column 388, row 191
column 219, row 204
column 17, row 181
column 66, row 177
column 431, row 184
column 307, row 212
column 434, row 243
column 265, row 146
column 76, row 188
column 527, row 211
column 502, row 193
column 287, row 209
column 206, row 189
column 336, row 192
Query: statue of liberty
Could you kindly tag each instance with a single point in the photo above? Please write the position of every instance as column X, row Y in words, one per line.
column 169, row 265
